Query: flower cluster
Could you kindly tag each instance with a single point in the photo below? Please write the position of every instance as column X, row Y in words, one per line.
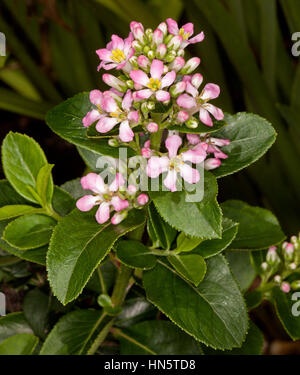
column 155, row 88
column 282, row 262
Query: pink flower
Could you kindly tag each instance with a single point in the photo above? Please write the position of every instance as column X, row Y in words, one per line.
column 105, row 196
column 213, row 144
column 174, row 164
column 155, row 83
column 186, row 31
column 146, row 150
column 116, row 54
column 142, row 199
column 115, row 113
column 211, row 163
column 194, row 102
column 285, row 287
column 152, row 127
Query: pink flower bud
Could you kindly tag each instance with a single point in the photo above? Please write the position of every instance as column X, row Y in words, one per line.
column 177, row 64
column 285, row 287
column 182, row 116
column 143, row 61
column 175, row 42
column 158, row 37
column 142, row 199
column 161, row 51
column 212, row 163
column 118, row 217
column 190, row 65
column 114, row 82
column 197, row 80
column 152, row 127
column 163, row 27
column 131, row 189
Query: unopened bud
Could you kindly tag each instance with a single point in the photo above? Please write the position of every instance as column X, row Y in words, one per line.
column 149, row 34
column 192, row 123
column 133, row 61
column 182, row 116
column 118, row 217
column 144, row 109
column 190, row 65
column 151, row 105
column 175, row 42
column 161, row 51
column 292, row 266
column 163, row 27
column 197, row 80
column 177, row 64
column 168, row 38
column 151, row 55
column 177, row 89
column 130, row 83
column 114, row 82
column 137, row 46
column 152, row 127
column 113, row 142
column 277, row 279
column 158, row 37
column 272, row 257
column 171, row 56
column 211, row 163
column 285, row 287
column 288, row 252
column 142, row 199
column 143, row 61
column 264, row 266
column 146, row 49
column 180, row 52
column 131, row 189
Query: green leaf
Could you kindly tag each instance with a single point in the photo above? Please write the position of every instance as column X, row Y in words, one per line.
column 253, row 344
column 13, row 324
column 78, row 245
column 257, row 258
column 29, row 232
column 214, row 312
column 164, row 233
column 13, row 210
column 92, row 132
column 74, row 333
column 209, row 248
column 253, row 299
column 20, row 344
column 240, row 265
column 258, row 227
column 285, row 306
column 74, row 188
column 44, row 185
column 200, row 129
column 250, row 137
column 36, row 308
column 66, row 121
column 156, row 337
column 185, row 243
column 191, row 266
column 135, row 254
column 62, row 202
column 22, row 160
column 206, row 215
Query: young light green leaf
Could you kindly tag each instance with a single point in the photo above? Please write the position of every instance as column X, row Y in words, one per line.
column 29, row 232
column 250, row 137
column 205, row 311
column 135, row 254
column 209, row 248
column 258, row 227
column 44, row 186
column 14, row 210
column 185, row 243
column 22, row 160
column 156, row 337
column 191, row 266
column 20, row 344
column 12, row 324
column 78, row 245
column 206, row 215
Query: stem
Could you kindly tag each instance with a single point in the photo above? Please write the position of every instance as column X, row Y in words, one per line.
column 102, row 283
column 155, row 139
column 101, row 337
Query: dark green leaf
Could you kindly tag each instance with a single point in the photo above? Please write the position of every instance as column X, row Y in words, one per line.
column 191, row 266
column 200, row 129
column 156, row 337
column 74, row 188
column 11, row 211
column 77, row 247
column 253, row 299
column 135, row 254
column 20, row 344
column 258, row 227
column 214, row 312
column 135, row 310
column 12, row 324
column 29, row 232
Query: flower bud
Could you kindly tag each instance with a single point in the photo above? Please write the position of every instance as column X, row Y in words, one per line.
column 285, row 287
column 177, row 64
column 151, row 55
column 277, row 279
column 161, row 51
column 137, row 46
column 197, row 80
column 143, row 62
column 131, row 189
column 192, row 123
column 146, row 49
column 142, row 199
column 158, row 37
column 163, row 27
column 180, row 52
column 177, row 89
column 264, row 266
column 152, row 127
column 114, row 82
column 175, row 42
column 292, row 266
column 211, row 163
column 171, row 56
column 134, row 61
column 144, row 109
column 295, row 285
column 150, row 105
column 182, row 116
column 190, row 65
column 168, row 38
column 288, row 252
column 113, row 142
column 272, row 257
column 149, row 34
column 139, row 34
column 118, row 217
column 284, row 244
column 130, row 83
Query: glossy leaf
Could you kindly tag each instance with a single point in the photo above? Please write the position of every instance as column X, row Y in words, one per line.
column 66, row 121
column 185, row 244
column 14, row 210
column 77, row 247
column 250, row 137
column 20, row 344
column 191, row 266
column 209, row 248
column 135, row 310
column 74, row 333
column 135, row 254
column 13, row 324
column 29, row 232
column 202, row 311
column 156, row 337
column 22, row 160
column 206, row 215
column 200, row 129
column 258, row 227
column 44, row 185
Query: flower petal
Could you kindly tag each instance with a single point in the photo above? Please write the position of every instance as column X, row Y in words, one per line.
column 93, row 182
column 215, row 111
column 125, row 132
column 96, row 97
column 188, row 28
column 157, row 69
column 170, row 180
column 162, row 96
column 190, row 89
column 102, row 214
column 153, row 169
column 127, row 101
column 210, row 91
column 205, row 117
column 86, row 203
column 105, row 124
column 193, row 139
column 197, row 38
column 194, row 156
column 143, row 94
column 90, row 118
column 119, row 204
column 109, row 104
column 104, row 54
column 117, row 182
column 186, row 101
column 172, row 144
column 172, row 26
column 117, row 42
column 189, row 174
column 139, row 77
column 134, row 116
column 211, row 163
column 168, row 79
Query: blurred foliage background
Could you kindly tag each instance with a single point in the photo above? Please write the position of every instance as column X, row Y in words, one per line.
column 247, row 51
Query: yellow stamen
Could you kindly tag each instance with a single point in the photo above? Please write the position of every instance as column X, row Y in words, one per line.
column 184, row 35
column 117, row 55
column 154, row 84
